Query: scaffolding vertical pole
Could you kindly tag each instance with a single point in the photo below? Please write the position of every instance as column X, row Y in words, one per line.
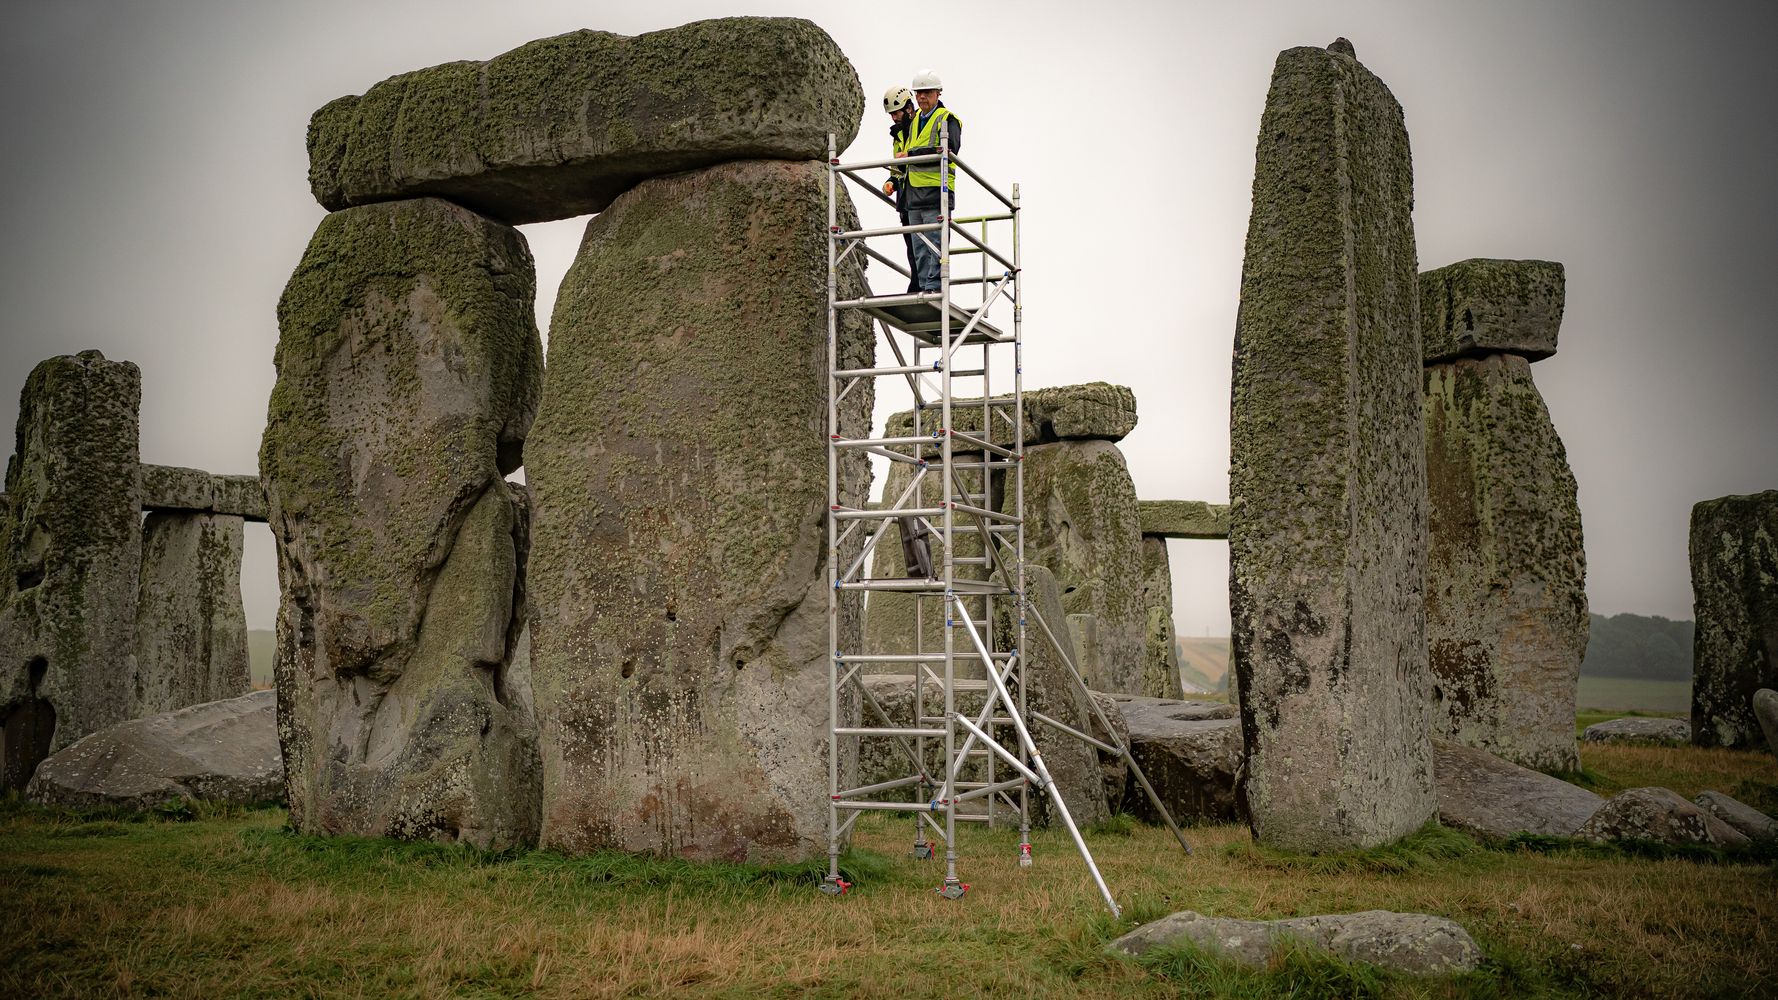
column 1018, row 507
column 833, row 881
column 952, row 886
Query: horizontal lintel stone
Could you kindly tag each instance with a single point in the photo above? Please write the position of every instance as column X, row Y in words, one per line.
column 1184, row 518
column 1489, row 306
column 169, row 487
column 1089, row 411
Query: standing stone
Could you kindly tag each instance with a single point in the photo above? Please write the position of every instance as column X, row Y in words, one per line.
column 191, row 629
column 70, row 552
column 1081, row 521
column 1160, row 654
column 1327, row 519
column 560, row 126
column 678, row 473
column 1734, row 554
column 1765, row 712
column 1506, row 600
column 408, row 374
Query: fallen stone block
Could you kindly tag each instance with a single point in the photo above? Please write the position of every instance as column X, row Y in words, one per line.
column 1419, row 944
column 1327, row 470
column 1638, row 730
column 1734, row 557
column 167, row 487
column 1184, row 518
column 1755, row 825
column 1661, row 816
column 1481, row 794
column 220, row 751
column 561, row 126
column 1482, row 306
column 1190, row 751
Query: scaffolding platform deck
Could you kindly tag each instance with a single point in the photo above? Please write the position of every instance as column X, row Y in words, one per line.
column 919, row 316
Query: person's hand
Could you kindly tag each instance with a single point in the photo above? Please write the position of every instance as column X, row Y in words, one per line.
column 900, row 155
column 888, row 187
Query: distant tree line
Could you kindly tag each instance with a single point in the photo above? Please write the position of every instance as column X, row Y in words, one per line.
column 1639, row 646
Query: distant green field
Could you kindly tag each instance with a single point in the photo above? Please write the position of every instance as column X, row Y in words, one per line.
column 1622, row 694
column 261, row 647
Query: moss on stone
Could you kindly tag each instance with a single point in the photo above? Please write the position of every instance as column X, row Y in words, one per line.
column 1734, row 561
column 560, row 126
column 1485, row 306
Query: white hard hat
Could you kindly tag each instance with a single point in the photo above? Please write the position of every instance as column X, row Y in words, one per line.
column 896, row 98
column 927, row 80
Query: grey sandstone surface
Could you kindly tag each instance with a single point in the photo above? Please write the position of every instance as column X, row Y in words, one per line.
column 169, row 487
column 70, row 556
column 191, row 629
column 1415, row 943
column 409, row 367
column 561, row 126
column 1750, row 822
column 1190, row 752
column 1081, row 522
column 1765, row 712
column 678, row 471
column 1638, row 730
column 220, row 751
column 1506, row 602
column 1160, row 658
column 1661, row 816
column 1184, row 518
column 1481, row 794
column 1483, row 306
column 1327, row 518
column 1734, row 557
column 1088, row 411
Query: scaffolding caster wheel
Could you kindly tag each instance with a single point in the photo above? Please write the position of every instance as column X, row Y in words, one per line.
column 1024, row 855
column 923, row 851
column 833, row 885
column 953, row 889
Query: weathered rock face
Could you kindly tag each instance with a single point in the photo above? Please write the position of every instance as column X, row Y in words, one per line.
column 678, row 473
column 1160, row 660
column 1481, row 306
column 1750, row 822
column 191, row 630
column 220, row 751
column 409, row 367
column 1633, row 730
column 892, row 620
column 168, row 487
column 1184, row 518
column 1481, row 794
column 1089, row 411
column 1416, row 943
column 1327, row 519
column 1190, row 751
column 1734, row 554
column 70, row 552
column 1081, row 522
column 1506, row 602
column 1765, row 712
column 561, row 126
column 1661, row 816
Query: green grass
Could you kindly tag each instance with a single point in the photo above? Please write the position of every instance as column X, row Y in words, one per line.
column 1624, row 695
column 227, row 903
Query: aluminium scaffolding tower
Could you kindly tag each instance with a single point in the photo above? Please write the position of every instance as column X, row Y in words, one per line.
column 963, row 508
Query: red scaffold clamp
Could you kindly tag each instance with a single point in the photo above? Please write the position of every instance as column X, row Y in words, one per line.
column 952, row 889
column 1024, row 855
column 833, row 885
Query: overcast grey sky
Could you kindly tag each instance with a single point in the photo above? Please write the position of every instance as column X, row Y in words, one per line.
column 155, row 200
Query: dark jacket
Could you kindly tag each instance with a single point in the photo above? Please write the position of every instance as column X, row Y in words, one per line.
column 927, row 198
column 897, row 132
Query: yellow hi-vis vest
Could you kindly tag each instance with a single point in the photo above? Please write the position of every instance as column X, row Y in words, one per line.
column 926, row 174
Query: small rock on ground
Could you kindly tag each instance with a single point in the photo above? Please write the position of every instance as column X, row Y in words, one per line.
column 1415, row 943
column 1659, row 815
column 1743, row 817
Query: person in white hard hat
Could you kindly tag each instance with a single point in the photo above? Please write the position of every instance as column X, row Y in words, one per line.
column 925, row 184
column 899, row 103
